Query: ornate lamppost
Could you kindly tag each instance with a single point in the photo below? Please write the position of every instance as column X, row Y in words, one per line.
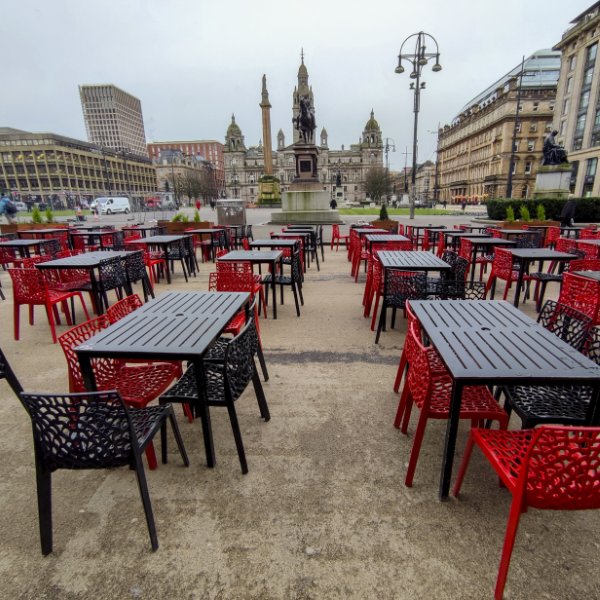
column 418, row 59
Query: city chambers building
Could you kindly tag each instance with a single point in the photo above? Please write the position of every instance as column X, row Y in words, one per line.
column 245, row 165
column 62, row 171
column 488, row 136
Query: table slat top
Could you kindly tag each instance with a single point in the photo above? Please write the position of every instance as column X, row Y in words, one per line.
column 161, row 239
column 24, row 243
column 271, row 243
column 380, row 237
column 178, row 325
column 251, row 255
column 85, row 260
column 541, row 254
column 489, row 341
column 490, row 241
column 412, row 260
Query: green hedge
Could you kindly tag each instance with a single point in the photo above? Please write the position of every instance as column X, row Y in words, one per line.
column 587, row 211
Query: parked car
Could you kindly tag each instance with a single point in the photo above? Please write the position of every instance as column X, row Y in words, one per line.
column 112, row 205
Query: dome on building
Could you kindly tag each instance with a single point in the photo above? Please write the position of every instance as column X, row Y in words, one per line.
column 233, row 130
column 372, row 123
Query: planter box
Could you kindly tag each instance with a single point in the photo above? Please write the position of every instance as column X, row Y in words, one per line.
column 389, row 225
column 178, row 227
column 532, row 223
column 14, row 227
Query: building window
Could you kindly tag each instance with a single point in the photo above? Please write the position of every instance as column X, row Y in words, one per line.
column 572, row 62
column 574, row 171
column 536, row 106
column 518, row 127
column 514, row 168
column 590, row 175
column 569, row 85
column 533, row 127
column 565, row 110
column 591, row 53
column 530, row 145
column 528, row 168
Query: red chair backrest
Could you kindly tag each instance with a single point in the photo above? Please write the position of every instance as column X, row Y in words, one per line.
column 465, row 249
column 552, row 235
column 561, row 469
column 580, row 293
column 502, row 264
column 123, row 307
column 590, row 250
column 565, row 244
column 585, row 264
column 28, row 286
column 75, row 337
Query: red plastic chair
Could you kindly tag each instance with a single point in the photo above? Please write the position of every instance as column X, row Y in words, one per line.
column 465, row 250
column 502, row 268
column 582, row 294
column 30, row 288
column 550, row 468
column 337, row 237
column 138, row 385
column 590, row 250
column 429, row 387
column 552, row 236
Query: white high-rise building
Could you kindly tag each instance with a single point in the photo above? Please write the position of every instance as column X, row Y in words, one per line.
column 113, row 119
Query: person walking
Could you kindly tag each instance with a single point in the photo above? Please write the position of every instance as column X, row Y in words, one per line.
column 567, row 214
column 8, row 209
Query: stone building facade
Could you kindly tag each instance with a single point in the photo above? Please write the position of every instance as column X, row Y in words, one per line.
column 245, row 165
column 577, row 118
column 475, row 151
column 46, row 166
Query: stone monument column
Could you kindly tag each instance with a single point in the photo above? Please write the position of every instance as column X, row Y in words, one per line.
column 265, row 105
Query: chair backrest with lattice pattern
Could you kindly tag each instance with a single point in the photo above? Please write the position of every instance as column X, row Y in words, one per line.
column 401, row 286
column 584, row 264
column 502, row 265
column 580, row 293
column 123, row 307
column 75, row 337
column 570, row 325
column 465, row 248
column 239, row 358
column 112, row 273
column 561, row 468
column 7, row 373
column 590, row 250
column 29, row 286
column 80, row 431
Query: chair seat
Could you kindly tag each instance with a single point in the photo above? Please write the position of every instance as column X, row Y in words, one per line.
column 477, row 402
column 548, row 277
column 567, row 405
column 138, row 385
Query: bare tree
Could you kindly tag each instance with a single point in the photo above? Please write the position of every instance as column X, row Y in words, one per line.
column 377, row 184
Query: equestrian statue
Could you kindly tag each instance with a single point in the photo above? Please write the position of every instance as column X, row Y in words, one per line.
column 305, row 121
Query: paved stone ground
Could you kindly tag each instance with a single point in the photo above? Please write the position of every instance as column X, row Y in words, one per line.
column 323, row 512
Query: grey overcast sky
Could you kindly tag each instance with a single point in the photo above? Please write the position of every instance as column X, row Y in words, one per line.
column 193, row 63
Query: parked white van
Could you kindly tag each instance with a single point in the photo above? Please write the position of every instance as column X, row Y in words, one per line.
column 111, row 205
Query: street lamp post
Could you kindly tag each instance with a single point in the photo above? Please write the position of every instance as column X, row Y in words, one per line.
column 389, row 145
column 418, row 59
column 511, row 164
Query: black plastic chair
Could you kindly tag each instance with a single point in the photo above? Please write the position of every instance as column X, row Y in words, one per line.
column 399, row 287
column 135, row 267
column 559, row 405
column 92, row 431
column 293, row 280
column 319, row 239
column 224, row 381
column 568, row 324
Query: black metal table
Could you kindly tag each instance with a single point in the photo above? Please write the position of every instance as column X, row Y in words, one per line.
column 269, row 257
column 274, row 243
column 412, row 260
column 165, row 243
column 524, row 256
column 49, row 232
column 567, row 231
column 144, row 229
column 93, row 237
column 174, row 326
column 379, row 239
column 90, row 261
column 452, row 236
column 305, row 236
column 481, row 245
column 23, row 246
column 490, row 342
column 212, row 231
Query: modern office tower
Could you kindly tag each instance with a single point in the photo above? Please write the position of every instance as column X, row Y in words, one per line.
column 113, row 119
column 577, row 117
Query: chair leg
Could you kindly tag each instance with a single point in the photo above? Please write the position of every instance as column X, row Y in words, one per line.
column 260, row 396
column 237, row 436
column 178, row 439
column 400, row 372
column 151, row 456
column 463, row 466
column 416, row 449
column 44, row 499
column 509, row 543
column 381, row 324
column 263, row 364
column 295, row 292
column 404, row 397
column 143, row 487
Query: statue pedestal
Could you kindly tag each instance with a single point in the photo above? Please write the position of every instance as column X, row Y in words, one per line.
column 306, row 201
column 553, row 181
column 308, row 204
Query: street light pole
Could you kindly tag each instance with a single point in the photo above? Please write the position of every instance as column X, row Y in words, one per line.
column 418, row 59
column 509, row 183
column 388, row 146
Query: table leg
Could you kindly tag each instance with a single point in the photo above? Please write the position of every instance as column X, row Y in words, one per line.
column 202, row 411
column 522, row 264
column 87, row 372
column 450, row 443
column 473, row 262
column 167, row 265
column 274, row 287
